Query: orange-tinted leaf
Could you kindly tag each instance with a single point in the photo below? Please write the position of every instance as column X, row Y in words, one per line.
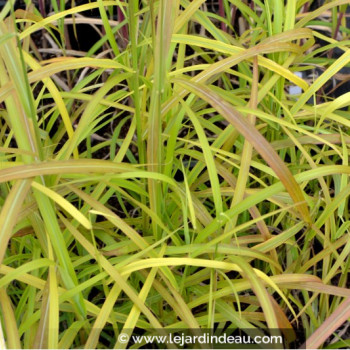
column 255, row 138
column 338, row 317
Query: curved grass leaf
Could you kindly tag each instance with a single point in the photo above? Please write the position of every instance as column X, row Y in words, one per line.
column 13, row 339
column 338, row 317
column 256, row 139
column 9, row 212
column 64, row 204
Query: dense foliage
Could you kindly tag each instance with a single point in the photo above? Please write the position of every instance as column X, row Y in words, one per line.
column 173, row 164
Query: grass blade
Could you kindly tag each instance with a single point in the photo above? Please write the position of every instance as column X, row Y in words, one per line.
column 9, row 212
column 13, row 339
column 338, row 317
column 256, row 139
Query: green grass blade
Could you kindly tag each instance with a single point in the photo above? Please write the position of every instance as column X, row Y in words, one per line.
column 256, row 139
column 9, row 212
column 338, row 317
column 13, row 339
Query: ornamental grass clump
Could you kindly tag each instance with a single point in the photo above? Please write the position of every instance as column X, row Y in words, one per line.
column 173, row 165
